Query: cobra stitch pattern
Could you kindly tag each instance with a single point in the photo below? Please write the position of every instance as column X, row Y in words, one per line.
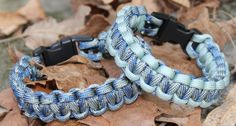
column 153, row 76
column 140, row 68
column 76, row 103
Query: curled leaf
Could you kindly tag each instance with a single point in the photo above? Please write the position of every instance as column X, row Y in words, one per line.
column 46, row 32
column 10, row 22
column 33, row 11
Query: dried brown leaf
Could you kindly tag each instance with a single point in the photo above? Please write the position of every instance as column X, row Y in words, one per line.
column 184, row 3
column 35, row 122
column 229, row 26
column 3, row 112
column 111, row 68
column 15, row 114
column 46, row 32
column 67, row 123
column 107, row 1
column 10, row 22
column 42, row 85
column 73, row 75
column 97, row 7
column 33, row 11
column 193, row 119
column 200, row 19
column 7, row 100
column 83, row 60
column 76, row 3
column 140, row 113
column 191, row 15
column 205, row 25
column 94, row 26
column 66, row 76
column 225, row 114
column 173, row 113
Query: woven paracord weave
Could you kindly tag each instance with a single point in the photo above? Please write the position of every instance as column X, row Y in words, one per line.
column 133, row 55
column 152, row 75
column 76, row 103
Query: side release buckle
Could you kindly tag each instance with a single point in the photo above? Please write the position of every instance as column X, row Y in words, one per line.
column 61, row 50
column 173, row 31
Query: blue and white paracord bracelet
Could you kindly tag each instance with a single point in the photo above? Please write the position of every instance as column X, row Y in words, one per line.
column 141, row 69
column 76, row 103
column 151, row 74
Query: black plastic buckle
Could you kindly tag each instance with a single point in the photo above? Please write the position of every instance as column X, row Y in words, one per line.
column 61, row 50
column 173, row 31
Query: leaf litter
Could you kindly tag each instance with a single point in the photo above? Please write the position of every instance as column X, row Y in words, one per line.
column 92, row 17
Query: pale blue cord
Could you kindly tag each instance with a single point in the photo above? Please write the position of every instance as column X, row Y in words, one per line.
column 153, row 75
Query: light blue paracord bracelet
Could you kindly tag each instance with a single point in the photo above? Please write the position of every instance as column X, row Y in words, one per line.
column 140, row 68
column 151, row 74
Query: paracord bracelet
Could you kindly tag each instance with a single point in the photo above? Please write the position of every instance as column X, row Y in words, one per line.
column 151, row 74
column 133, row 55
column 76, row 103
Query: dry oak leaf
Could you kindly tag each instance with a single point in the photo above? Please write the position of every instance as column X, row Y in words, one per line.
column 107, row 1
column 193, row 119
column 225, row 114
column 190, row 15
column 7, row 100
column 76, row 3
column 82, row 60
column 228, row 26
column 111, row 68
column 73, row 76
column 3, row 112
column 96, row 24
column 205, row 25
column 89, row 121
column 98, row 7
column 67, row 123
column 184, row 3
column 181, row 115
column 46, row 32
column 33, row 10
column 10, row 22
column 67, row 75
column 198, row 17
